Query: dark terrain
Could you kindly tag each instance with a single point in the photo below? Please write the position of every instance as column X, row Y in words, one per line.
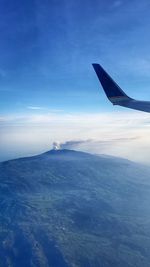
column 72, row 209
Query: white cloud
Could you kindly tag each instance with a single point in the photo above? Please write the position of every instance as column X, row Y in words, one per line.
column 40, row 108
column 35, row 107
column 123, row 134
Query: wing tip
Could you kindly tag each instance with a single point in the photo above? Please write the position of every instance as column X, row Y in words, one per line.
column 96, row 64
column 98, row 68
column 112, row 90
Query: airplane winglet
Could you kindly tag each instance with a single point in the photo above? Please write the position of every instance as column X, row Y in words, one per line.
column 114, row 93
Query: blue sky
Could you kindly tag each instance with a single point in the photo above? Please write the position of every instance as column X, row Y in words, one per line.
column 47, row 48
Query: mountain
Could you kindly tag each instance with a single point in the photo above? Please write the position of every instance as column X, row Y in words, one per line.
column 65, row 208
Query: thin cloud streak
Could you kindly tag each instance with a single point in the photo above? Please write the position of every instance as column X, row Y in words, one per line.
column 35, row 107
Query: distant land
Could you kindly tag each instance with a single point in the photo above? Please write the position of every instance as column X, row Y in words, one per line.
column 65, row 208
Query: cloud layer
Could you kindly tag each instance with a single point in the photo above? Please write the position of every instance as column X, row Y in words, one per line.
column 123, row 134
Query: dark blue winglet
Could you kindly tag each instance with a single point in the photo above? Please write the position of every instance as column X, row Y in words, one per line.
column 112, row 90
column 116, row 95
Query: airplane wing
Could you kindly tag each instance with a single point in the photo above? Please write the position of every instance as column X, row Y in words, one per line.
column 115, row 94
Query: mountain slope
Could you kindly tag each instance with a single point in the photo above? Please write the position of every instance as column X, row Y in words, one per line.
column 66, row 208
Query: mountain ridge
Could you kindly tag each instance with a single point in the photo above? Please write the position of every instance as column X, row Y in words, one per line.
column 68, row 208
column 59, row 152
